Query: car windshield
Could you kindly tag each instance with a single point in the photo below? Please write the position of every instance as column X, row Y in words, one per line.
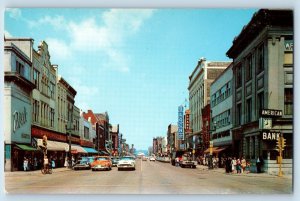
column 82, row 162
column 101, row 159
column 127, row 158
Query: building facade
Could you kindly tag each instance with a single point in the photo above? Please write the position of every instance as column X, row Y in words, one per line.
column 115, row 139
column 221, row 113
column 173, row 144
column 199, row 93
column 18, row 86
column 263, row 80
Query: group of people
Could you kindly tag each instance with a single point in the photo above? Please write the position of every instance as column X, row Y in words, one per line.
column 35, row 164
column 236, row 165
column 30, row 164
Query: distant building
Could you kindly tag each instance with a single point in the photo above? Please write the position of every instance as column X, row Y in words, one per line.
column 173, row 144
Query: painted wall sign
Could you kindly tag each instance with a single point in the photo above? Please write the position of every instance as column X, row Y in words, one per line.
column 19, row 119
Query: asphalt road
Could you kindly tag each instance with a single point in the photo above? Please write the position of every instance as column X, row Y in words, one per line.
column 148, row 178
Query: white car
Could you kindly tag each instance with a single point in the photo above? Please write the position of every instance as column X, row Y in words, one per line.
column 152, row 159
column 126, row 162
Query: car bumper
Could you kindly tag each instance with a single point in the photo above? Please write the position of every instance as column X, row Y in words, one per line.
column 100, row 168
column 125, row 166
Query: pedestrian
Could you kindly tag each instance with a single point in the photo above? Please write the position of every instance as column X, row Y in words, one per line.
column 35, row 163
column 25, row 164
column 53, row 164
column 228, row 165
column 247, row 167
column 66, row 164
column 46, row 163
column 243, row 164
column 233, row 165
column 259, row 164
column 176, row 161
column 238, row 166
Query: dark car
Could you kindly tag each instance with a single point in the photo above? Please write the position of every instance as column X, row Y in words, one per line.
column 115, row 161
column 82, row 165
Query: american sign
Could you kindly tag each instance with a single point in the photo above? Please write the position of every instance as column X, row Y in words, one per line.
column 271, row 113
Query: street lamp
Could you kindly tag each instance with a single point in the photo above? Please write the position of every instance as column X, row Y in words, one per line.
column 68, row 133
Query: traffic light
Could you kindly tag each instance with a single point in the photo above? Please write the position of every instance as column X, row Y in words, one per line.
column 45, row 140
column 283, row 142
column 278, row 144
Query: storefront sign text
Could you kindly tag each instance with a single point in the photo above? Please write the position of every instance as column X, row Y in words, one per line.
column 271, row 113
column 19, row 119
column 270, row 135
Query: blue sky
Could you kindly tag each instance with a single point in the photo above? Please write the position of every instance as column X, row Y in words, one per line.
column 132, row 63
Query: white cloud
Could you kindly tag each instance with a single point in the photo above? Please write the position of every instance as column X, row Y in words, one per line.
column 14, row 13
column 58, row 49
column 58, row 22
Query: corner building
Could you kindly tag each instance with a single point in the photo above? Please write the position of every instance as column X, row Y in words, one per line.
column 263, row 79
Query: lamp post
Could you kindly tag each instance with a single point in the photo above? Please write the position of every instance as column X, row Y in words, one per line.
column 69, row 134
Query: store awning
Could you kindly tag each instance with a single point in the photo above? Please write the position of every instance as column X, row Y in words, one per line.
column 90, row 150
column 220, row 149
column 75, row 149
column 53, row 145
column 26, row 147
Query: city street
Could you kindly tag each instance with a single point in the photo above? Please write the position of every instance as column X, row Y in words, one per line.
column 148, row 178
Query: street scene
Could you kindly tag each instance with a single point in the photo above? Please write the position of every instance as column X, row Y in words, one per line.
column 148, row 178
column 148, row 101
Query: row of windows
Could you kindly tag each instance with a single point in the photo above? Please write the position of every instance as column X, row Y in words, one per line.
column 252, row 60
column 221, row 94
column 222, row 120
column 288, row 106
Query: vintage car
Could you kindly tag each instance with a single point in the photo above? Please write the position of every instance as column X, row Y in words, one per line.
column 126, row 162
column 187, row 161
column 115, row 161
column 82, row 165
column 101, row 163
column 152, row 158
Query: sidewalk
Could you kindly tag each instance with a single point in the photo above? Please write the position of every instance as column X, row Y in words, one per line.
column 35, row 172
column 251, row 174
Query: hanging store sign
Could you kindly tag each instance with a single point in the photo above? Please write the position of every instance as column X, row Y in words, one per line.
column 180, row 123
column 289, row 45
column 187, row 129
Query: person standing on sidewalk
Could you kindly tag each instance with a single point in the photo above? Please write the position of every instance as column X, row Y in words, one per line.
column 233, row 165
column 259, row 164
column 243, row 164
column 238, row 166
column 25, row 164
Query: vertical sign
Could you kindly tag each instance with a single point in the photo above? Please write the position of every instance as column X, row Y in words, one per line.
column 180, row 122
column 187, row 122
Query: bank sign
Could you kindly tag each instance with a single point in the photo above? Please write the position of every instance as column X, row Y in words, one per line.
column 270, row 135
column 180, row 123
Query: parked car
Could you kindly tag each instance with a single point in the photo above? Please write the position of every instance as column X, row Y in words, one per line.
column 152, row 159
column 126, row 162
column 101, row 163
column 115, row 161
column 88, row 159
column 187, row 161
column 144, row 158
column 82, row 165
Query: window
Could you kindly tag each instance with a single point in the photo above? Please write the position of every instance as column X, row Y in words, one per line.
column 20, row 68
column 35, row 110
column 248, row 68
column 51, row 117
column 36, row 76
column 52, row 90
column 248, row 110
column 86, row 132
column 238, row 76
column 260, row 102
column 239, row 114
column 288, row 101
column 260, row 59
